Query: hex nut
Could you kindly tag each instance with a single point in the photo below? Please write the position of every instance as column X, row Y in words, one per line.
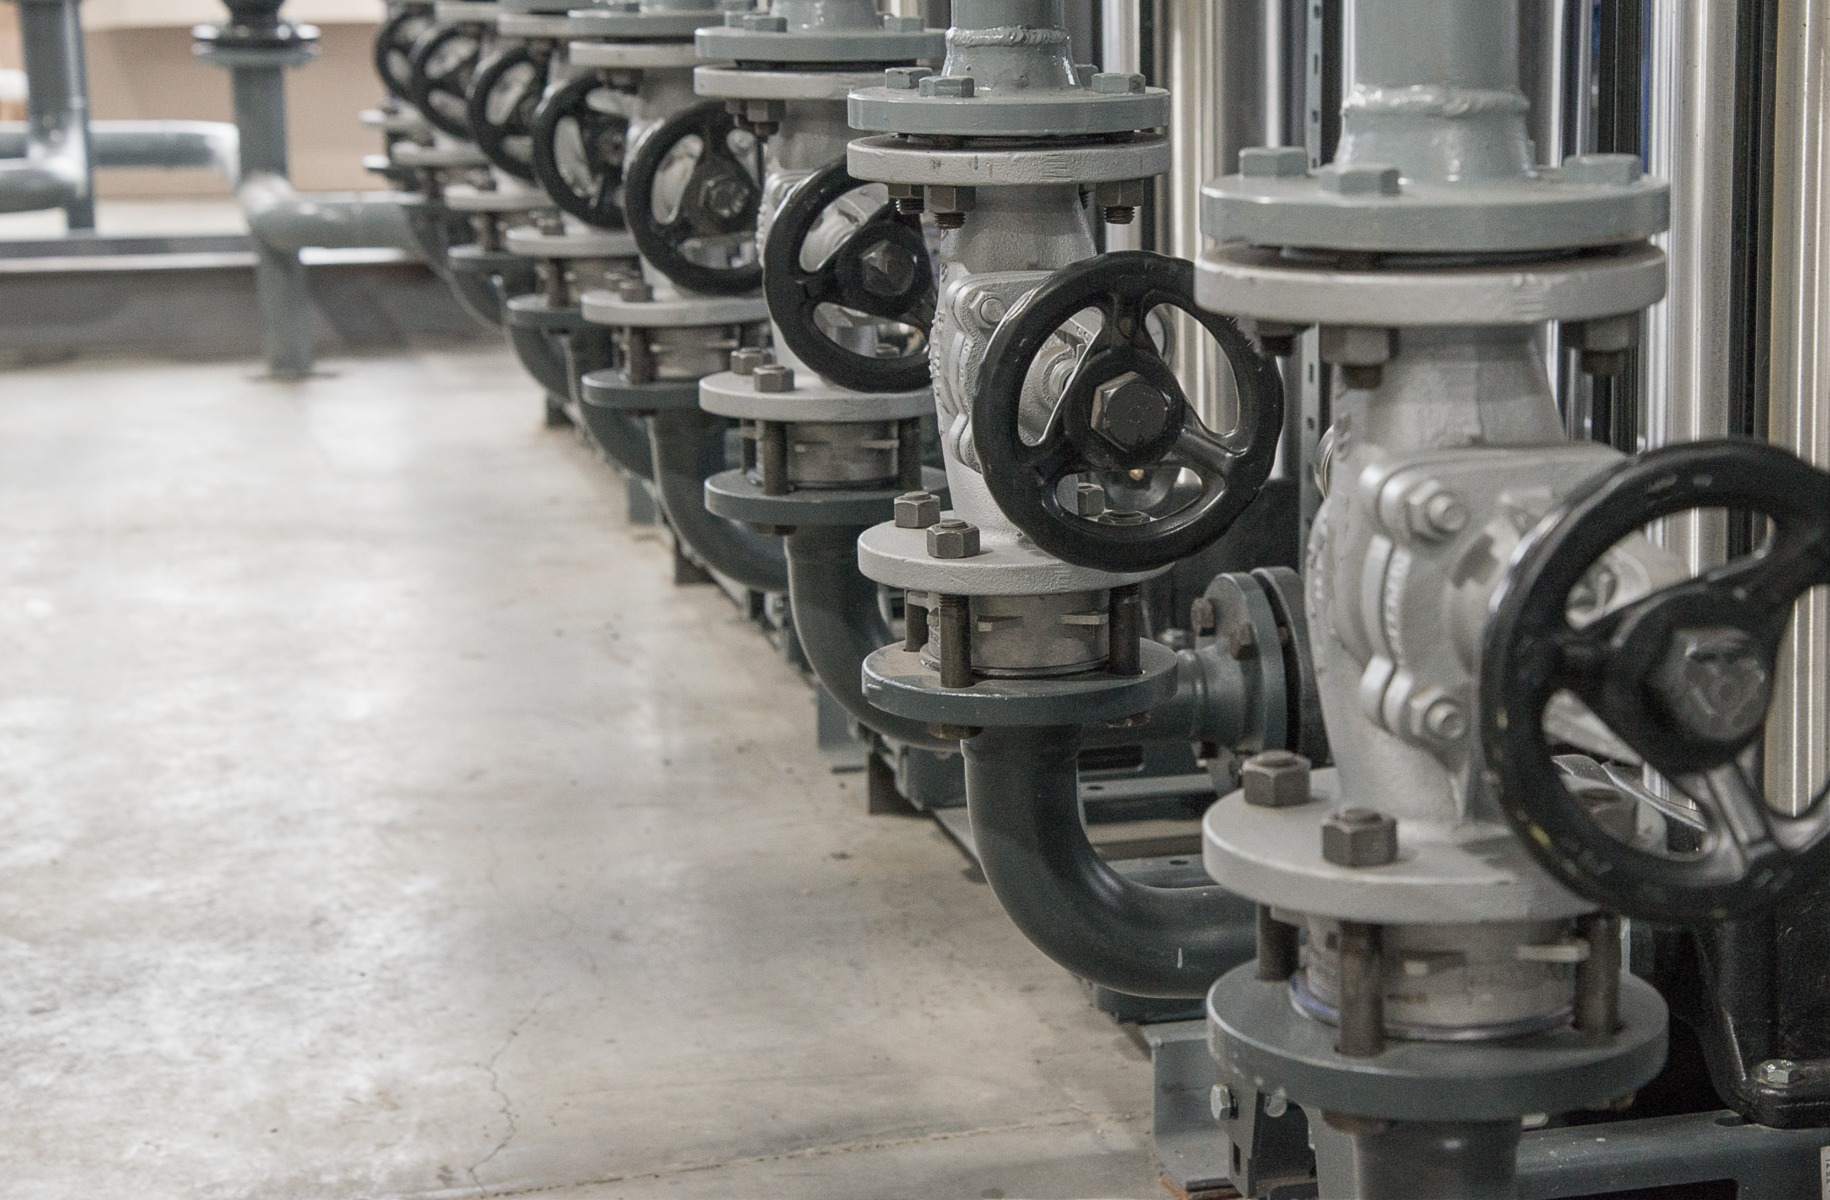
column 1370, row 179
column 948, row 198
column 1358, row 345
column 634, row 291
column 905, row 79
column 1715, row 682
column 917, row 510
column 1434, row 513
column 1777, row 1072
column 1276, row 779
column 773, row 378
column 1203, row 616
column 1125, row 193
column 953, row 539
column 1273, row 162
column 1221, row 1103
column 1241, row 643
column 895, row 24
column 1431, row 715
column 1130, row 412
column 951, row 87
column 1118, row 83
column 1089, row 500
column 764, row 23
column 1603, row 170
column 746, row 359
column 1360, row 837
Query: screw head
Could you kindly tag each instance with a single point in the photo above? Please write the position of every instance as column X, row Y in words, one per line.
column 1118, row 83
column 917, row 510
column 1367, row 180
column 1603, row 170
column 1089, row 500
column 953, row 539
column 1434, row 513
column 1433, row 716
column 1274, row 162
column 1360, row 837
column 772, row 377
column 950, row 87
column 1276, row 779
column 905, row 79
column 1715, row 683
column 1130, row 412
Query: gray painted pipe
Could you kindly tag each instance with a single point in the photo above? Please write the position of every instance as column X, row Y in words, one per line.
column 56, row 171
column 173, row 145
column 284, row 219
column 543, row 356
column 1023, row 793
column 839, row 624
column 689, row 448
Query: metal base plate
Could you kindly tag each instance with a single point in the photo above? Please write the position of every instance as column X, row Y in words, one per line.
column 898, row 682
column 463, row 198
column 890, row 160
column 534, row 311
column 1261, row 1038
column 741, row 83
column 602, row 307
column 1251, row 281
column 1008, row 565
column 1081, row 112
column 610, row 388
column 573, row 243
column 594, row 24
column 813, row 399
column 544, row 27
column 735, row 495
column 633, row 56
column 1471, row 873
column 734, row 44
column 1522, row 215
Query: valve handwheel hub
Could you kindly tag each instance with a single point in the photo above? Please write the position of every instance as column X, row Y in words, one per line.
column 718, row 203
column 1683, row 676
column 881, row 269
column 576, row 151
column 1121, row 410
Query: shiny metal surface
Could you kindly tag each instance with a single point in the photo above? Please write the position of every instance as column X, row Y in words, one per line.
column 1798, row 736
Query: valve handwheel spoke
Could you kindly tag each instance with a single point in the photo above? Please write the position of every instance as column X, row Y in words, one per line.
column 1122, row 410
column 576, row 151
column 881, row 269
column 717, row 205
column 394, row 43
column 502, row 100
column 443, row 63
column 1684, row 676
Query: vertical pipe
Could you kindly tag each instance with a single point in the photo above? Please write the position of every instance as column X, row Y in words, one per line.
column 279, row 277
column 57, row 105
column 1690, row 140
column 1798, row 418
column 1121, row 49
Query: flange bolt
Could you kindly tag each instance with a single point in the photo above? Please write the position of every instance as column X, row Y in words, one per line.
column 1360, row 837
column 953, row 539
column 917, row 510
column 1276, row 779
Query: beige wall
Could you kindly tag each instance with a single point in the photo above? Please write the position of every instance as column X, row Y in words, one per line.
column 150, row 72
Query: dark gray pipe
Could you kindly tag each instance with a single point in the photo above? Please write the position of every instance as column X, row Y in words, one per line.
column 622, row 436
column 688, row 447
column 543, row 355
column 175, row 145
column 1023, row 793
column 839, row 624
column 56, row 171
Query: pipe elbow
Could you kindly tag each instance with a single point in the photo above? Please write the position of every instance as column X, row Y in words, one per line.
column 542, row 355
column 688, row 448
column 837, row 620
column 284, row 219
column 1022, row 791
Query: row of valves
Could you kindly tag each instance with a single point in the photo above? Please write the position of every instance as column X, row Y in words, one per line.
column 832, row 283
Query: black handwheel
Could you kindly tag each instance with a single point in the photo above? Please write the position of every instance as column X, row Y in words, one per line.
column 578, row 143
column 881, row 269
column 715, row 213
column 1121, row 410
column 1683, row 676
column 394, row 43
column 443, row 62
column 503, row 96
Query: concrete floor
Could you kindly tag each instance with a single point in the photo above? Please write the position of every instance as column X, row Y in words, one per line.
column 379, row 822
